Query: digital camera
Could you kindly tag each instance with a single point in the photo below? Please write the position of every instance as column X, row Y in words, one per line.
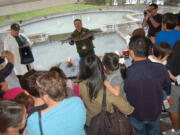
column 145, row 11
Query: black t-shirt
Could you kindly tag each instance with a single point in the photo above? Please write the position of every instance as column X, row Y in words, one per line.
column 173, row 60
column 152, row 30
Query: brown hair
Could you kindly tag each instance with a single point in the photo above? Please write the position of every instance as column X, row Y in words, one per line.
column 11, row 114
column 162, row 49
column 111, row 63
column 24, row 99
column 77, row 20
column 29, row 82
column 53, row 85
column 138, row 32
column 170, row 20
column 59, row 71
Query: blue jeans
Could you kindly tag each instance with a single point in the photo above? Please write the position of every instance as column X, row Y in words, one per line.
column 152, row 127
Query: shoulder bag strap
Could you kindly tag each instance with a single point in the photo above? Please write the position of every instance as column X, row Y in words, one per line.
column 40, row 122
column 104, row 99
column 19, row 41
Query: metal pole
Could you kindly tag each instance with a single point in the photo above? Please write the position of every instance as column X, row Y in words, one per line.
column 78, row 4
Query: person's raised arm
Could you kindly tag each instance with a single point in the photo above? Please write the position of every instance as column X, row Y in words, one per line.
column 113, row 89
column 121, row 103
column 70, row 39
column 9, row 66
column 144, row 24
column 154, row 22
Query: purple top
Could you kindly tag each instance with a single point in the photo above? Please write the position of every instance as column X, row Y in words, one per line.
column 143, row 86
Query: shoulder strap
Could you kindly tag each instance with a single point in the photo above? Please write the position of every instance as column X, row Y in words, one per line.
column 40, row 122
column 19, row 40
column 104, row 100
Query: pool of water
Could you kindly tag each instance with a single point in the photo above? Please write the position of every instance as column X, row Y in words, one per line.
column 49, row 54
column 64, row 24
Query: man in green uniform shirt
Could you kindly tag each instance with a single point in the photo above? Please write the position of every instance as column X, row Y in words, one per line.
column 83, row 39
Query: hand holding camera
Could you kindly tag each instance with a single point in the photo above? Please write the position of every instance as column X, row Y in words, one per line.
column 147, row 13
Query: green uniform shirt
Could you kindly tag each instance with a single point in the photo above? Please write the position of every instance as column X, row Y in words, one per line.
column 85, row 45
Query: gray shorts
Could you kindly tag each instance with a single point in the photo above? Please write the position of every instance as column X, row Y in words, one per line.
column 175, row 95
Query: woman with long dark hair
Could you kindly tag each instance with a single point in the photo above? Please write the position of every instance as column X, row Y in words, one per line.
column 91, row 87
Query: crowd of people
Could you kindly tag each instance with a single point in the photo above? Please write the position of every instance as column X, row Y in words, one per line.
column 48, row 103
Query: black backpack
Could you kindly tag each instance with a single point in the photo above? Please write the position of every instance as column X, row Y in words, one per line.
column 106, row 123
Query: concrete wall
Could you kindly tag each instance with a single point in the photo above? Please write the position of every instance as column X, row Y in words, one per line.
column 29, row 6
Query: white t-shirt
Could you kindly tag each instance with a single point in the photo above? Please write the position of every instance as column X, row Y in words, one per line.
column 154, row 59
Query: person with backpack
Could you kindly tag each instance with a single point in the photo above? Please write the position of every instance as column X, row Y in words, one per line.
column 12, row 43
column 91, row 88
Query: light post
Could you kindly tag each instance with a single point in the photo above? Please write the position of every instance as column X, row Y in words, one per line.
column 78, row 4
